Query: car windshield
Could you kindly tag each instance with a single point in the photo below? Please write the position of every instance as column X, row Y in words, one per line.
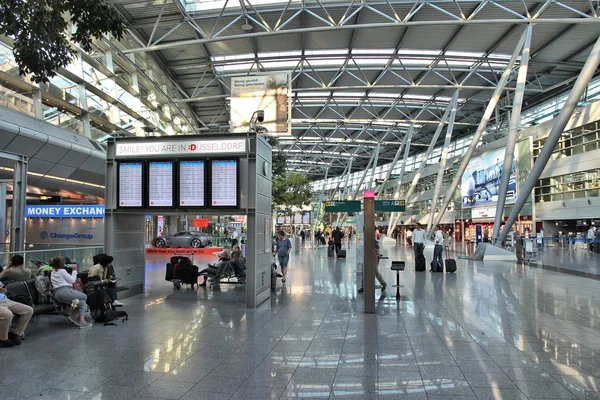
column 180, row 234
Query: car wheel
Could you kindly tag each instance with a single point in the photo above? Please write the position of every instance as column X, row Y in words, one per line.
column 196, row 243
column 160, row 243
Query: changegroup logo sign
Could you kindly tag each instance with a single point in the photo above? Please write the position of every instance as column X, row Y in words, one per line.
column 77, row 231
column 67, row 236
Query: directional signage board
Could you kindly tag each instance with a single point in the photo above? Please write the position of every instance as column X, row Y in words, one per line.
column 342, row 206
column 390, row 205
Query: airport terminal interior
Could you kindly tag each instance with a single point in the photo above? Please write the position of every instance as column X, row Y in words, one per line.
column 316, row 199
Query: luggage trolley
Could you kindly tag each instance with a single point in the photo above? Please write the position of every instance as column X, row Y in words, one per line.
column 398, row 266
column 530, row 251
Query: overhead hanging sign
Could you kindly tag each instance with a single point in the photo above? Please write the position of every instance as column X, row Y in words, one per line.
column 342, row 206
column 180, row 147
column 487, row 212
column 87, row 211
column 390, row 205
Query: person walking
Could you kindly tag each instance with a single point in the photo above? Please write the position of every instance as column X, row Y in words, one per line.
column 591, row 235
column 337, row 236
column 438, row 249
column 409, row 237
column 375, row 271
column 234, row 237
column 418, row 239
column 283, row 250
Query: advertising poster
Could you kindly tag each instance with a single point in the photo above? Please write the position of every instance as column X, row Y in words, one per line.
column 270, row 93
column 481, row 181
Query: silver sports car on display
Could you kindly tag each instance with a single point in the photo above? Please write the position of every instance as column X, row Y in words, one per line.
column 183, row 239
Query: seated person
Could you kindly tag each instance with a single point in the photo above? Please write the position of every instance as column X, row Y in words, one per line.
column 63, row 292
column 16, row 271
column 239, row 262
column 236, row 253
column 11, row 329
column 104, row 271
column 212, row 269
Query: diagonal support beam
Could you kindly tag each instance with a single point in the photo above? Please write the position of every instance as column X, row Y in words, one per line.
column 443, row 159
column 482, row 125
column 430, row 148
column 403, row 168
column 587, row 72
column 513, row 132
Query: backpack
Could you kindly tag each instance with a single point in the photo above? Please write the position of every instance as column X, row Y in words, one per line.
column 102, row 309
column 44, row 287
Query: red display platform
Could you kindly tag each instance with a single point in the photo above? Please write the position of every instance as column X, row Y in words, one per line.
column 172, row 251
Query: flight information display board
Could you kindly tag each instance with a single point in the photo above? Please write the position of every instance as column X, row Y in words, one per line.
column 191, row 183
column 224, row 183
column 130, row 184
column 160, row 184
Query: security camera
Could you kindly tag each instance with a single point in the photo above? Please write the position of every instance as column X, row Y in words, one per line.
column 260, row 115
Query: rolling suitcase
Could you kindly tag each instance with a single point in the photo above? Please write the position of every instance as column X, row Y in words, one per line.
column 330, row 251
column 170, row 272
column 341, row 253
column 420, row 264
column 450, row 265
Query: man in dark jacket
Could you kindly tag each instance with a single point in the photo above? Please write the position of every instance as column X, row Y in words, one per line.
column 337, row 237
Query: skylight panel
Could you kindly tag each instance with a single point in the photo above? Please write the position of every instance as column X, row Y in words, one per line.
column 325, row 52
column 372, row 51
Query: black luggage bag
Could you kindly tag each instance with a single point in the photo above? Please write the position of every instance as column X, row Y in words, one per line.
column 436, row 266
column 450, row 265
column 341, row 253
column 170, row 272
column 596, row 246
column 330, row 251
column 420, row 264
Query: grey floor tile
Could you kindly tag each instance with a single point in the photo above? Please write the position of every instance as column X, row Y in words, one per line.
column 489, row 380
column 205, row 396
column 257, row 393
column 446, row 372
column 135, row 378
column 83, row 383
column 166, row 390
column 315, row 374
column 548, row 390
column 111, row 392
column 447, row 387
column 57, row 394
column 499, row 394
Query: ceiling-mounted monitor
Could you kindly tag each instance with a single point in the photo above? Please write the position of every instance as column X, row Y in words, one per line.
column 130, row 184
column 160, row 184
column 192, row 183
column 224, row 183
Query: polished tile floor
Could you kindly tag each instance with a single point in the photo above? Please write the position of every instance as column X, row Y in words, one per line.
column 491, row 331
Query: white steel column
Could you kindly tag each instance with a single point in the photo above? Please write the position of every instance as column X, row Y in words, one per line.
column 561, row 121
column 399, row 183
column 393, row 164
column 374, row 167
column 417, row 176
column 513, row 132
column 320, row 205
column 482, row 125
column 443, row 159
column 345, row 193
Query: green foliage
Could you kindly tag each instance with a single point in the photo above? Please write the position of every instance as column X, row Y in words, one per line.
column 291, row 190
column 278, row 159
column 39, row 29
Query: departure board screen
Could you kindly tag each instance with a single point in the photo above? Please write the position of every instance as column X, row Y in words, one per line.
column 224, row 183
column 191, row 184
column 130, row 184
column 160, row 184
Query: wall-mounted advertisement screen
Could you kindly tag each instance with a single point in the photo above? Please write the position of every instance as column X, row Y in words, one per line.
column 191, row 183
column 270, row 93
column 160, row 184
column 481, row 181
column 130, row 184
column 224, row 183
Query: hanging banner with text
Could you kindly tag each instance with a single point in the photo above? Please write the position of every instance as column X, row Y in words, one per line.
column 180, row 147
column 269, row 93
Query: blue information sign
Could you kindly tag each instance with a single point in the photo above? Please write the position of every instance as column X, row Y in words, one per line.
column 44, row 211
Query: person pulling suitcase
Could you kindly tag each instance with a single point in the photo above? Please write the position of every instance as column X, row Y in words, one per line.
column 437, row 265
